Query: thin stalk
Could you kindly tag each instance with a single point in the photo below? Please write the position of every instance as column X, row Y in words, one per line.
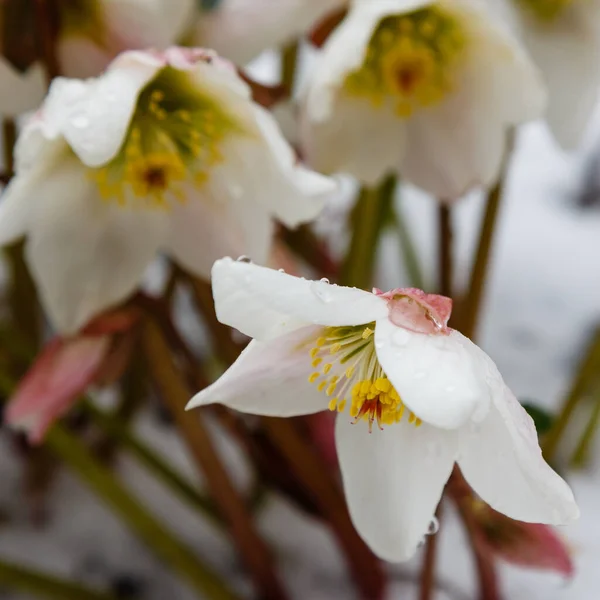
column 445, row 250
column 153, row 462
column 582, row 452
column 44, row 585
column 427, row 588
column 135, row 515
column 586, row 373
column 368, row 219
column 471, row 306
column 48, row 24
column 409, row 253
column 289, row 62
column 9, row 138
column 176, row 393
column 308, row 467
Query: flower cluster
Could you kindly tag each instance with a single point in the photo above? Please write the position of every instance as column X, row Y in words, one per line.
column 152, row 139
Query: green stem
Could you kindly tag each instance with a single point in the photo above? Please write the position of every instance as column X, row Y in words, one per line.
column 368, row 219
column 46, row 586
column 409, row 253
column 153, row 462
column 582, row 452
column 289, row 61
column 135, row 515
column 587, row 372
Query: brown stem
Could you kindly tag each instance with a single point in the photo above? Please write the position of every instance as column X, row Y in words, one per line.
column 428, row 571
column 9, row 138
column 462, row 495
column 308, row 467
column 445, row 253
column 48, row 24
column 176, row 393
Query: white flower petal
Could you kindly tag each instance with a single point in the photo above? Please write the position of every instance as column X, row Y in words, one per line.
column 460, row 142
column 86, row 254
column 269, row 378
column 209, row 226
column 356, row 139
column 393, row 481
column 501, row 459
column 242, row 29
column 439, row 378
column 94, row 115
column 262, row 303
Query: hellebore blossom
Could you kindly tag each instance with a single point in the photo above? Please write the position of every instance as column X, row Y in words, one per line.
column 424, row 88
column 165, row 151
column 241, row 29
column 413, row 398
column 563, row 39
column 90, row 34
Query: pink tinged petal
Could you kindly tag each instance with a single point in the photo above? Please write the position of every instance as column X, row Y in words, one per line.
column 415, row 310
column 269, row 378
column 87, row 255
column 438, row 377
column 393, row 481
column 207, row 227
column 262, row 302
column 116, row 321
column 242, row 29
column 502, row 461
column 530, row 545
column 94, row 115
column 63, row 371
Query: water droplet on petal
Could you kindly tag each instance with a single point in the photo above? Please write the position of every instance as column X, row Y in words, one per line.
column 281, row 270
column 321, row 290
column 401, row 337
column 434, row 526
column 244, row 259
column 324, row 280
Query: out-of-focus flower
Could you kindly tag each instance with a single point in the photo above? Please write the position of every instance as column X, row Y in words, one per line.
column 63, row 371
column 563, row 38
column 386, row 359
column 242, row 29
column 90, row 34
column 166, row 151
column 531, row 545
column 426, row 89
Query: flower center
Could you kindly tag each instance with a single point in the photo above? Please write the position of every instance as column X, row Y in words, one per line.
column 546, row 11
column 349, row 370
column 172, row 143
column 410, row 59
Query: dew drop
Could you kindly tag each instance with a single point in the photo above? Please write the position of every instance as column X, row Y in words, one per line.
column 434, row 526
column 401, row 337
column 281, row 270
column 321, row 290
column 80, row 121
column 324, row 280
column 244, row 259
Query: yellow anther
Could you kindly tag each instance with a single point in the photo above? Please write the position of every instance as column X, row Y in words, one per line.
column 314, row 376
column 331, row 389
column 157, row 95
column 335, row 379
column 400, row 412
column 418, row 422
column 412, row 418
column 335, row 348
column 349, row 372
column 314, row 352
column 342, row 405
column 332, row 403
column 317, row 361
column 321, row 386
column 321, row 341
column 327, row 368
column 368, row 332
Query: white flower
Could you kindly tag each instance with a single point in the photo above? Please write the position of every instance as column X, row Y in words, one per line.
column 563, row 38
column 166, row 151
column 387, row 359
column 242, row 29
column 423, row 88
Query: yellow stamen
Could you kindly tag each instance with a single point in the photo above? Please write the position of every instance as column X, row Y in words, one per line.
column 314, row 376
